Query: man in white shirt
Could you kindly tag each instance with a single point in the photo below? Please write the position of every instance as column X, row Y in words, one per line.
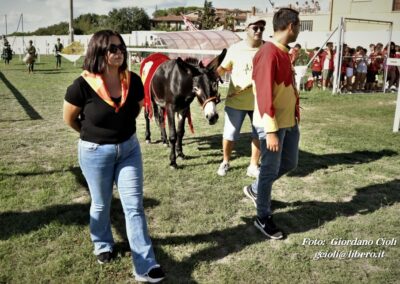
column 240, row 99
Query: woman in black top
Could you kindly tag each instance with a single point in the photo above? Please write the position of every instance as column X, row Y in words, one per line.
column 102, row 105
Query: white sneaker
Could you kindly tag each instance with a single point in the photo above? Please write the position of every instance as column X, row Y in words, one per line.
column 223, row 168
column 253, row 171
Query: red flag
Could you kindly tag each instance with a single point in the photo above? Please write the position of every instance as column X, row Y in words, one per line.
column 189, row 25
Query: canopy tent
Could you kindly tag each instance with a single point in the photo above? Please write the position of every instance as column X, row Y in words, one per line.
column 200, row 40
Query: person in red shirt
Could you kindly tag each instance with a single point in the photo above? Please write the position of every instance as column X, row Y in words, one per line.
column 392, row 71
column 397, row 51
column 316, row 66
column 347, row 70
column 397, row 55
column 375, row 65
column 276, row 116
column 294, row 54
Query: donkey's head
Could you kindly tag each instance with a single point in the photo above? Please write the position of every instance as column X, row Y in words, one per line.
column 205, row 85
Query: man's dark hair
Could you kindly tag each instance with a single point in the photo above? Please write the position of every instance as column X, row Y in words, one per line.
column 284, row 17
column 95, row 59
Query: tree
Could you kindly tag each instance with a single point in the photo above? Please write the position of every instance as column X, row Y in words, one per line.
column 57, row 29
column 126, row 20
column 160, row 13
column 207, row 16
column 175, row 11
column 90, row 23
column 229, row 22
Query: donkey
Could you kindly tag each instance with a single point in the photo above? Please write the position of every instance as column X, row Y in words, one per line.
column 170, row 90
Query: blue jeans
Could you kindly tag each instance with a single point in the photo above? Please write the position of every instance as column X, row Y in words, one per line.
column 102, row 165
column 233, row 123
column 274, row 165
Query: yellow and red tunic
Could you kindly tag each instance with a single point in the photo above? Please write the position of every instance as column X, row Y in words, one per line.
column 276, row 98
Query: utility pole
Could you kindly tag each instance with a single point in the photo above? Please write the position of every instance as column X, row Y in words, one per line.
column 5, row 17
column 330, row 14
column 22, row 24
column 71, row 17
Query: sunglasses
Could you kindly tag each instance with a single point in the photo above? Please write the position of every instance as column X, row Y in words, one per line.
column 256, row 28
column 113, row 48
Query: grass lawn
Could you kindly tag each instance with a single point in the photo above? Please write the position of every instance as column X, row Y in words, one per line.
column 347, row 187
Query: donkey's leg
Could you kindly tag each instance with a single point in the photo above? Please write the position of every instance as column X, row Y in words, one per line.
column 159, row 116
column 172, row 136
column 161, row 120
column 148, row 133
column 180, row 132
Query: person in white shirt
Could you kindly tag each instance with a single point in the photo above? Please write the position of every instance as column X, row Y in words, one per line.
column 240, row 99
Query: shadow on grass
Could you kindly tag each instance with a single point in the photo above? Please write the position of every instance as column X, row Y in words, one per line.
column 307, row 216
column 221, row 243
column 51, row 71
column 54, row 73
column 13, row 223
column 231, row 240
column 14, row 120
column 310, row 215
column 30, row 111
column 76, row 171
column 308, row 162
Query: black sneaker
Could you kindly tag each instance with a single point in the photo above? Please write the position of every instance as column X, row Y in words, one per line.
column 154, row 275
column 248, row 191
column 104, row 257
column 268, row 228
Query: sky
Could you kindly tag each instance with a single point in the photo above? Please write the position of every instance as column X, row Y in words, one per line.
column 43, row 13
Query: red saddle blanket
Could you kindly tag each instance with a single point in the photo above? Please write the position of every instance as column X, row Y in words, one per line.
column 148, row 67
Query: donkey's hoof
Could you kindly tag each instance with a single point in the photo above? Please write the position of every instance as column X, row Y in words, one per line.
column 148, row 141
column 173, row 166
column 165, row 144
column 181, row 156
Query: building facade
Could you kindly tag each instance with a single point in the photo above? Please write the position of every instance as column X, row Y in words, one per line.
column 315, row 20
column 231, row 19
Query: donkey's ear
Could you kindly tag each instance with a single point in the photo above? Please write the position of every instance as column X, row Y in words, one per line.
column 213, row 65
column 188, row 68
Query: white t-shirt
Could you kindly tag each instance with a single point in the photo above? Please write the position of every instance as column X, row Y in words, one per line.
column 239, row 60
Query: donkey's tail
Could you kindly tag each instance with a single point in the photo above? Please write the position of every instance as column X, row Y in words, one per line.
column 190, row 122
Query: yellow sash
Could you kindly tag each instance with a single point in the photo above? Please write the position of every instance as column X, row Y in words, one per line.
column 97, row 83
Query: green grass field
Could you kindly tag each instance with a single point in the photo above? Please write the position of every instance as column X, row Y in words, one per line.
column 347, row 186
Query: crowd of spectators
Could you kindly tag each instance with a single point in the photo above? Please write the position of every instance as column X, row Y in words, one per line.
column 361, row 70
